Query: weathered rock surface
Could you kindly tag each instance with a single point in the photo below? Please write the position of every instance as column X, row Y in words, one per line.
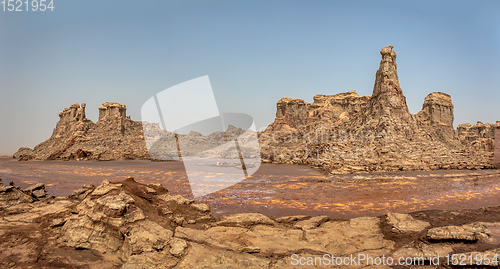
column 496, row 157
column 11, row 195
column 293, row 114
column 479, row 137
column 201, row 256
column 244, row 220
column 345, row 133
column 131, row 225
column 425, row 251
column 469, row 232
column 405, row 223
column 113, row 137
column 292, row 219
column 311, row 223
column 37, row 190
column 437, row 110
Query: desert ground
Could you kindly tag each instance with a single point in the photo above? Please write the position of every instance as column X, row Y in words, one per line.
column 281, row 189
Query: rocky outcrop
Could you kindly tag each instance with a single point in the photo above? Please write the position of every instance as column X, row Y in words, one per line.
column 437, row 110
column 330, row 109
column 478, row 137
column 130, row 225
column 116, row 137
column 23, row 152
column 469, row 232
column 12, row 195
column 405, row 223
column 387, row 106
column 436, row 117
column 496, row 158
column 370, row 133
column 73, row 113
column 112, row 110
column 113, row 137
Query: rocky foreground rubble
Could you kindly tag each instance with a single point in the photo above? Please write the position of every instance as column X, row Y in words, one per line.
column 130, row 225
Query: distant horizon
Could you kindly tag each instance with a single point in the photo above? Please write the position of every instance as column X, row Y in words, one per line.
column 254, row 52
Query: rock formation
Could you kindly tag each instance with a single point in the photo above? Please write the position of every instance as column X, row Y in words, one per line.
column 130, row 225
column 116, row 137
column 437, row 110
column 479, row 137
column 12, row 195
column 112, row 110
column 482, row 138
column 496, row 158
column 296, row 113
column 346, row 133
column 113, row 137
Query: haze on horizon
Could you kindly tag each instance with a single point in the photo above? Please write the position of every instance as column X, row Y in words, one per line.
column 255, row 53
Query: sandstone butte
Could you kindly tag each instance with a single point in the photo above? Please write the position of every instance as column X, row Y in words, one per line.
column 129, row 225
column 341, row 133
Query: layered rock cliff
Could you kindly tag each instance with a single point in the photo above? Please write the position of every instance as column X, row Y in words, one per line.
column 369, row 133
column 113, row 137
column 496, row 158
column 479, row 137
column 296, row 113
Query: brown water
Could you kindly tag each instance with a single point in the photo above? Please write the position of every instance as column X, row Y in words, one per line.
column 281, row 189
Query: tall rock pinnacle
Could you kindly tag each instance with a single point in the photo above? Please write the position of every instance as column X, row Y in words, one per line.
column 387, row 74
column 388, row 102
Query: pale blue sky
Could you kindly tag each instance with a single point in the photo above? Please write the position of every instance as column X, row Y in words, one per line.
column 255, row 53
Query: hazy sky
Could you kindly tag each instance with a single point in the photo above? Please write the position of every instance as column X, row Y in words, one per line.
column 255, row 52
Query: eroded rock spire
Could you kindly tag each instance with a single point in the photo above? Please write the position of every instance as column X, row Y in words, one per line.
column 388, row 104
column 387, row 74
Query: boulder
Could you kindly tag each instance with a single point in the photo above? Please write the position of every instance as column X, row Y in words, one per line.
column 82, row 192
column 146, row 236
column 37, row 190
column 405, row 223
column 12, row 195
column 292, row 219
column 311, row 223
column 178, row 247
column 244, row 220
